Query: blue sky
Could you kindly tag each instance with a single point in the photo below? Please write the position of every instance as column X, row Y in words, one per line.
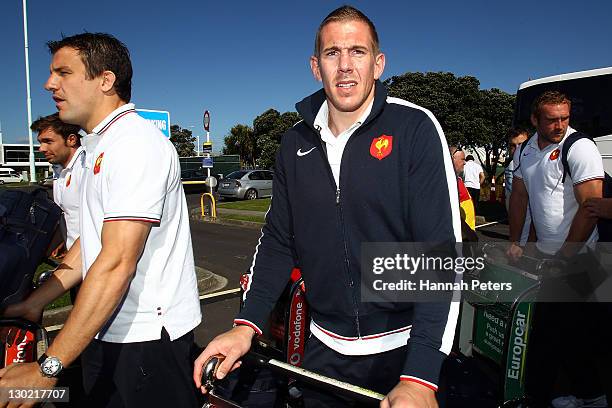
column 239, row 58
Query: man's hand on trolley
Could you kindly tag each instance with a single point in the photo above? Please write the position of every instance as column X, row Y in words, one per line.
column 20, row 377
column 407, row 394
column 514, row 252
column 232, row 345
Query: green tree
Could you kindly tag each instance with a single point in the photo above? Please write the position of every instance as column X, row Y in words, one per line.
column 495, row 119
column 183, row 141
column 470, row 117
column 241, row 141
column 268, row 129
column 257, row 146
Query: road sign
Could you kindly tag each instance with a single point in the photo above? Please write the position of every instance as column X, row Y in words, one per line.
column 161, row 119
column 211, row 181
column 207, row 162
column 207, row 147
column 207, row 121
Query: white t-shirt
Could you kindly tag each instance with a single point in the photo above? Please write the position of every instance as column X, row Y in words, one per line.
column 471, row 173
column 67, row 187
column 553, row 204
column 133, row 174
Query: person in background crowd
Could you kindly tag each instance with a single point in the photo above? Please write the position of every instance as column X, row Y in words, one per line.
column 465, row 200
column 473, row 176
column 516, row 136
column 61, row 144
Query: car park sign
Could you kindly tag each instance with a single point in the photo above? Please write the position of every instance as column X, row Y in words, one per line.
column 207, row 162
column 161, row 119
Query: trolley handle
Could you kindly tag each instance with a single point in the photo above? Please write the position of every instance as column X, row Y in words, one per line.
column 354, row 392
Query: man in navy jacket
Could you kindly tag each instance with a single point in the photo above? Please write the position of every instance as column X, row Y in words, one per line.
column 361, row 167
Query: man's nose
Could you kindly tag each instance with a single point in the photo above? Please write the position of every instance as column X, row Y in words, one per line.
column 51, row 83
column 346, row 62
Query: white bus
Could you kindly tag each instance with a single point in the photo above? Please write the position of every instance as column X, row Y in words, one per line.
column 591, row 95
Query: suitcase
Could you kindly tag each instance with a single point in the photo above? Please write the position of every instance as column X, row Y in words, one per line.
column 28, row 225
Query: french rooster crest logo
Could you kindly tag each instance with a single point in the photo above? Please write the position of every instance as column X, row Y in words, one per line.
column 98, row 163
column 381, row 146
column 554, row 155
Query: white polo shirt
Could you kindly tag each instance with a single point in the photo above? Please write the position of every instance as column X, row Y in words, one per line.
column 471, row 174
column 67, row 187
column 133, row 174
column 553, row 204
column 335, row 144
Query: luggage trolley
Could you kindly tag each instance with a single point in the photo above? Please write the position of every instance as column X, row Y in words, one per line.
column 274, row 363
column 498, row 336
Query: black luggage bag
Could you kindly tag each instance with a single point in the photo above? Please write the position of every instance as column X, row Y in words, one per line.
column 28, row 225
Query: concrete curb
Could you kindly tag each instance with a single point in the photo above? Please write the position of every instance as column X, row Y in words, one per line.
column 208, row 282
column 195, row 214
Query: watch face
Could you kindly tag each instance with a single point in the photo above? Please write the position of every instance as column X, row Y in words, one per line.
column 51, row 366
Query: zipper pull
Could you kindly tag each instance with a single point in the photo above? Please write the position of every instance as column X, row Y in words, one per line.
column 32, row 216
column 337, row 196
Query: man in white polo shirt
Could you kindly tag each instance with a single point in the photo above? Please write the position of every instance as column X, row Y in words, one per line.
column 562, row 226
column 555, row 205
column 138, row 303
column 61, row 144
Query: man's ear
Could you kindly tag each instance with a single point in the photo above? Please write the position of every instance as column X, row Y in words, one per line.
column 72, row 140
column 314, row 67
column 534, row 120
column 108, row 81
column 379, row 65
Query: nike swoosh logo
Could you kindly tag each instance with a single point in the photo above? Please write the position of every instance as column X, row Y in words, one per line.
column 301, row 153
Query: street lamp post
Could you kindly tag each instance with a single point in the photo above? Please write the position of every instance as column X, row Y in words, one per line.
column 28, row 98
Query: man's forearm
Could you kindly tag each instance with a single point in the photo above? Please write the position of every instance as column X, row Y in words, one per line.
column 101, row 291
column 583, row 223
column 580, row 230
column 65, row 276
column 518, row 211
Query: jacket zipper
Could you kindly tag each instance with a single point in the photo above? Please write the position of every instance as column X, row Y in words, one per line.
column 347, row 264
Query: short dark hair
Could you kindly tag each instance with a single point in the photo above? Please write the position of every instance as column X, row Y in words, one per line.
column 101, row 52
column 469, row 157
column 54, row 122
column 549, row 98
column 516, row 131
column 346, row 13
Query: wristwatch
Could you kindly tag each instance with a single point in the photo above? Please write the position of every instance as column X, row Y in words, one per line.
column 50, row 366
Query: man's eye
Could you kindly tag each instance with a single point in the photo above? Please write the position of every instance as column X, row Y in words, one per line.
column 331, row 53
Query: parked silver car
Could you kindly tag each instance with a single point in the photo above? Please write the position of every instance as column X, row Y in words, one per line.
column 246, row 184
